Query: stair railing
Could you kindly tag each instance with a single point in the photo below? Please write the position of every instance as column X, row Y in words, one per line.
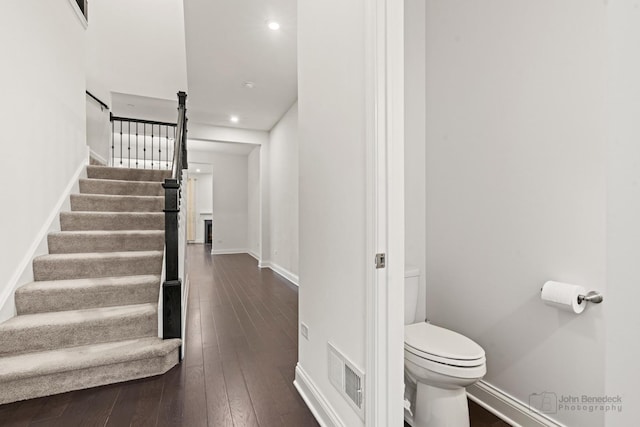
column 173, row 295
column 142, row 144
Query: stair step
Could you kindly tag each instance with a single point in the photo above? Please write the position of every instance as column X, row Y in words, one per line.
column 79, row 294
column 67, row 242
column 101, row 264
column 63, row 329
column 70, row 221
column 112, row 203
column 117, row 187
column 126, row 174
column 32, row 375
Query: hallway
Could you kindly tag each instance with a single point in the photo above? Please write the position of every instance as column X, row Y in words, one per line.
column 238, row 368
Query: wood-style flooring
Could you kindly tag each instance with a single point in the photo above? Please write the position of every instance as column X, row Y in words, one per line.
column 241, row 352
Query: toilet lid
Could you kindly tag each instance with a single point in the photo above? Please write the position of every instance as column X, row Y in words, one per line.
column 426, row 339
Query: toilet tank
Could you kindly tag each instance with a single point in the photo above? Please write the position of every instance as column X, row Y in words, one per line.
column 411, row 284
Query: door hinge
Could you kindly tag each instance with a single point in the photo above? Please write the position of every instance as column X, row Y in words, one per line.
column 381, row 260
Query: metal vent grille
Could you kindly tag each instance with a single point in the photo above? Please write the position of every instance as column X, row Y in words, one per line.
column 347, row 379
column 353, row 386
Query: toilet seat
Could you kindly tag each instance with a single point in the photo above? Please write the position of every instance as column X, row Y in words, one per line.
column 464, row 372
column 442, row 346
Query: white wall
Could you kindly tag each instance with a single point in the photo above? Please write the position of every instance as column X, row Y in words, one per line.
column 516, row 196
column 136, row 48
column 331, row 104
column 623, row 226
column 203, row 191
column 230, row 199
column 414, row 144
column 283, row 182
column 42, row 84
column 98, row 130
column 253, row 194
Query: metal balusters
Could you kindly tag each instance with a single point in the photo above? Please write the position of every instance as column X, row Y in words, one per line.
column 156, row 134
column 152, row 146
column 113, row 142
column 144, row 147
column 129, row 146
column 137, row 157
column 121, row 143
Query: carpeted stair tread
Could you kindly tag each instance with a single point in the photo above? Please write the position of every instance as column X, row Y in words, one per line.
column 115, row 203
column 78, row 294
column 68, row 359
column 105, row 241
column 98, row 264
column 57, row 371
column 62, row 329
column 126, row 174
column 120, row 187
column 70, row 221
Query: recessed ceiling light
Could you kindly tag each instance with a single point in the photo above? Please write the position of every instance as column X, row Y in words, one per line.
column 274, row 26
column 197, row 170
column 234, row 119
column 248, row 84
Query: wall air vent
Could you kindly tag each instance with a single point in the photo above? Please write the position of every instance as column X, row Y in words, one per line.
column 347, row 379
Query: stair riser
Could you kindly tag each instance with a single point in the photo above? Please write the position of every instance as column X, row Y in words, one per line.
column 47, row 269
column 73, row 221
column 32, row 302
column 73, row 244
column 73, row 334
column 123, row 174
column 91, row 203
column 63, row 382
column 89, row 186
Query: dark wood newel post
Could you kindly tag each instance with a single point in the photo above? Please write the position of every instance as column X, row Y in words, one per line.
column 172, row 286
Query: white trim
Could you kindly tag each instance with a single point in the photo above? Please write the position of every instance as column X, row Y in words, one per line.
column 384, row 98
column 23, row 273
column 79, row 14
column 228, row 251
column 293, row 278
column 264, row 264
column 98, row 157
column 507, row 407
column 317, row 403
column 255, row 255
column 185, row 304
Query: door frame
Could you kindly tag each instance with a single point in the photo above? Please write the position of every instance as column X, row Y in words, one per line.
column 384, row 82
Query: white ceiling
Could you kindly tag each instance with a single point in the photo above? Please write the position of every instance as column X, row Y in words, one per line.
column 228, row 43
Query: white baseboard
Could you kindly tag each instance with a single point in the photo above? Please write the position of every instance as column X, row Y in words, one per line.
column 185, row 304
column 318, row 405
column 23, row 273
column 253, row 254
column 98, row 157
column 228, row 251
column 264, row 264
column 293, row 278
column 507, row 407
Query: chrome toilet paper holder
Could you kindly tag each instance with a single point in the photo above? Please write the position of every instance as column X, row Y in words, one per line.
column 592, row 296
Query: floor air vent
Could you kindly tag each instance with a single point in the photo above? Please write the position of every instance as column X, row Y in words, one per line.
column 347, row 379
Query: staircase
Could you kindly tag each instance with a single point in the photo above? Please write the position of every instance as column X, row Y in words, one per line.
column 90, row 317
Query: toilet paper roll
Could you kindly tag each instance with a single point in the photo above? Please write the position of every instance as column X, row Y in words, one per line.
column 563, row 296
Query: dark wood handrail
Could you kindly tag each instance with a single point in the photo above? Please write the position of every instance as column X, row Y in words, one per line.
column 95, row 98
column 132, row 120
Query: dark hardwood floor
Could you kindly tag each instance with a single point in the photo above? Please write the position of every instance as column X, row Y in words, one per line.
column 241, row 352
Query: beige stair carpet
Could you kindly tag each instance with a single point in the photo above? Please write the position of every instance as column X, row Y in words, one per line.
column 90, row 316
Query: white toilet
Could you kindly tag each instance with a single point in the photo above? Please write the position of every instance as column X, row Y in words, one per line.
column 439, row 364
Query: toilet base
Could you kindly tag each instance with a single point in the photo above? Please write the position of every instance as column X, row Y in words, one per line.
column 439, row 407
